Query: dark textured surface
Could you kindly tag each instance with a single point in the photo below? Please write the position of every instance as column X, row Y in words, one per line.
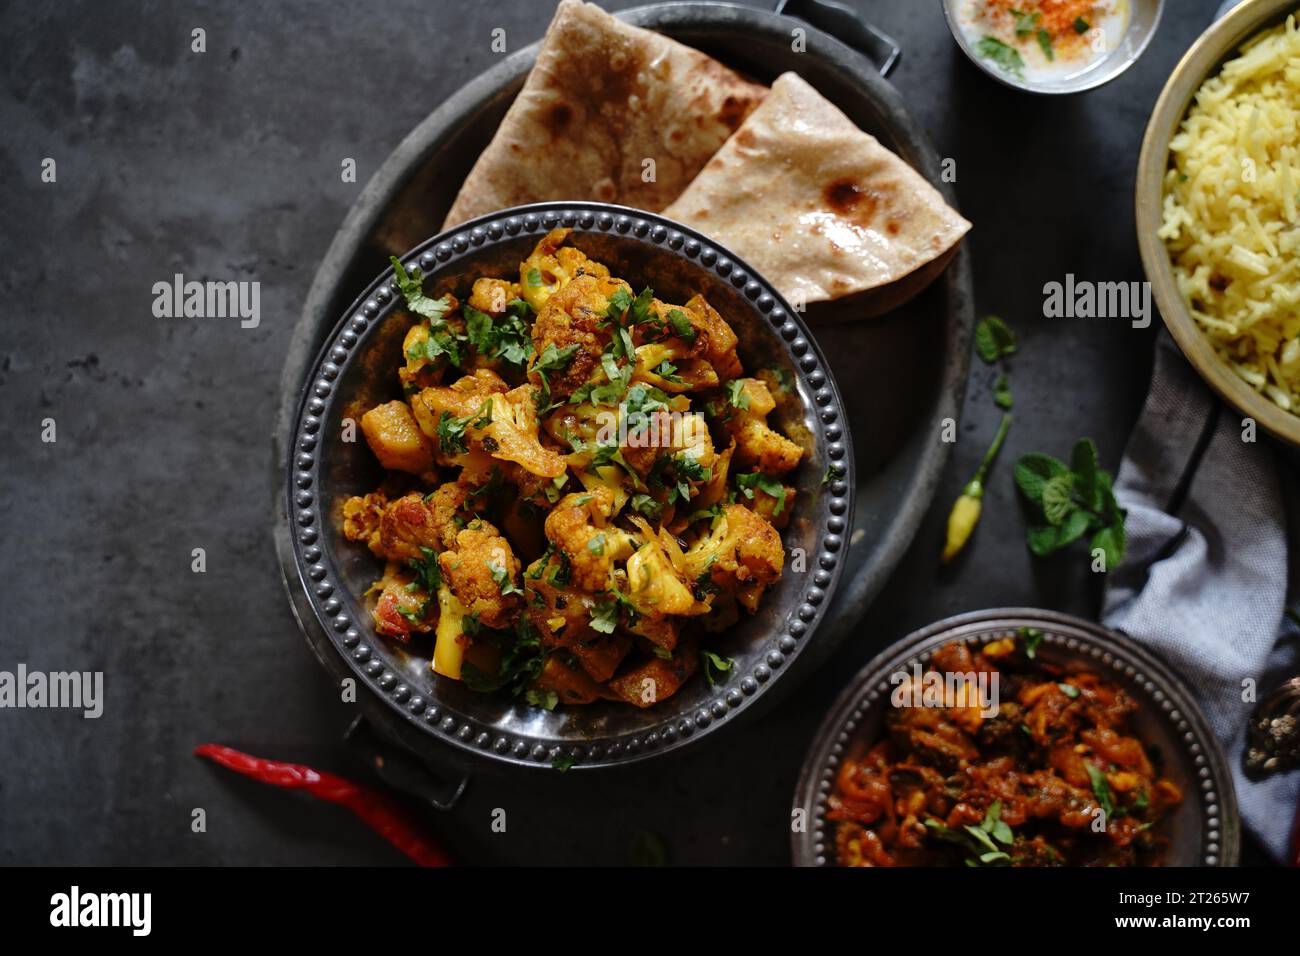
column 226, row 165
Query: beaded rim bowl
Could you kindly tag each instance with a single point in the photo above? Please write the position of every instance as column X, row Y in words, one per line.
column 354, row 370
column 1203, row 831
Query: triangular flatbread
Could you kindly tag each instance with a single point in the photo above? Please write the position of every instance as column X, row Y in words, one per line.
column 821, row 209
column 610, row 112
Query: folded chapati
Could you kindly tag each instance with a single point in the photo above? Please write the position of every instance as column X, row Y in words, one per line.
column 818, row 207
column 609, row 112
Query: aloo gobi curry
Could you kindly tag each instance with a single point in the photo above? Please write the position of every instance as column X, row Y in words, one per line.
column 583, row 487
column 1054, row 776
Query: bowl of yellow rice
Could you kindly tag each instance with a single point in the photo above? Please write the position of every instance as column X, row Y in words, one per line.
column 1218, row 210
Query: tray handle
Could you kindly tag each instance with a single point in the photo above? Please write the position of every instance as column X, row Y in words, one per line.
column 401, row 769
column 847, row 26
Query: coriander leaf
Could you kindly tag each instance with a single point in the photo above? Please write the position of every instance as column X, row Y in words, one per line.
column 596, row 544
column 551, row 360
column 501, row 575
column 604, row 616
column 765, row 483
column 411, row 285
column 681, row 325
column 1031, row 638
column 639, row 310
column 1081, row 25
column 533, row 277
column 619, row 303
column 428, row 575
column 1045, row 44
column 645, row 505
column 545, row 699
column 994, row 339
column 717, row 669
column 1005, row 57
column 1100, row 789
column 1069, row 690
column 736, row 394
column 1025, row 22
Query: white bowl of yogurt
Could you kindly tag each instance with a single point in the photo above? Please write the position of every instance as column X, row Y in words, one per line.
column 1053, row 46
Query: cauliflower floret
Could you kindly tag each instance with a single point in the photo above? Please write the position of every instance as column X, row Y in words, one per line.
column 362, row 517
column 417, row 522
column 579, row 528
column 570, row 333
column 403, row 607
column 686, row 348
column 427, row 350
column 668, row 366
column 445, row 413
column 757, row 445
column 396, row 439
column 654, row 587
column 492, row 295
column 553, row 265
column 512, row 436
column 476, row 417
column 742, row 554
column 483, row 572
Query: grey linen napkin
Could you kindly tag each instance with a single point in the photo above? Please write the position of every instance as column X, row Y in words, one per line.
column 1206, row 580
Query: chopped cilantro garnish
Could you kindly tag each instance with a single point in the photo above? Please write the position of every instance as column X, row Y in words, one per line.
column 411, row 285
column 764, row 483
column 681, row 325
column 604, row 616
column 717, row 669
column 736, row 395
column 1006, row 57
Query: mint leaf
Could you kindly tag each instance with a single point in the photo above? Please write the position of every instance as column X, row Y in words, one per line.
column 1034, row 470
column 1083, row 462
column 994, row 339
column 1111, row 541
column 1002, row 393
column 1057, row 500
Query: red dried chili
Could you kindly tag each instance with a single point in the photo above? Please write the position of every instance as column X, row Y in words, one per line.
column 376, row 809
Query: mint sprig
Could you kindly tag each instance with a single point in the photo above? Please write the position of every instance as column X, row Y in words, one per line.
column 1070, row 501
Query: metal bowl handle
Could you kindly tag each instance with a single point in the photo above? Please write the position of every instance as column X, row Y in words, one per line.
column 845, row 25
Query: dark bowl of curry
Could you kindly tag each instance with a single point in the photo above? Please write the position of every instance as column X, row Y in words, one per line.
column 1015, row 738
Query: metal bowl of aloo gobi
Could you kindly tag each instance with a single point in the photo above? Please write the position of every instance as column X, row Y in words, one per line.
column 1218, row 211
column 571, row 483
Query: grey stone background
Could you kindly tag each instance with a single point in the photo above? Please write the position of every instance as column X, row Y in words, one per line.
column 226, row 165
